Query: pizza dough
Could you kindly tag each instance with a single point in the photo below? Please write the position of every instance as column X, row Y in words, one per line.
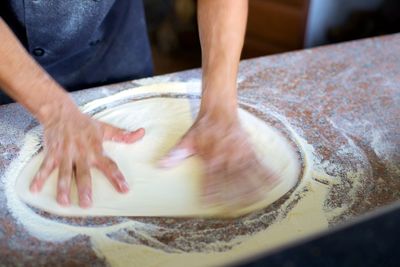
column 155, row 191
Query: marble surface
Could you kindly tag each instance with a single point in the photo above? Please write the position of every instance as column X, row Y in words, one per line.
column 369, row 242
column 343, row 99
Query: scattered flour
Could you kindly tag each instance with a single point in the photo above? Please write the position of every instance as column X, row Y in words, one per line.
column 302, row 214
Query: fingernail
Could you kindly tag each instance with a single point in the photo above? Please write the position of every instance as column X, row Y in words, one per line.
column 173, row 157
column 124, row 187
column 86, row 201
column 63, row 200
column 34, row 188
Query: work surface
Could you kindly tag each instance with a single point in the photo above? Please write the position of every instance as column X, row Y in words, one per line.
column 343, row 99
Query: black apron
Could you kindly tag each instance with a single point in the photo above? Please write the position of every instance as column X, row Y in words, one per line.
column 83, row 43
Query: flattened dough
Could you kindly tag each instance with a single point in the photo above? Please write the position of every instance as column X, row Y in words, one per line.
column 155, row 191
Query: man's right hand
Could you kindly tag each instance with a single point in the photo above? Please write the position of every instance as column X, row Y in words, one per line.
column 73, row 141
column 73, row 144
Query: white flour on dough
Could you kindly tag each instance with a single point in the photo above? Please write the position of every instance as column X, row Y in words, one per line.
column 302, row 214
column 157, row 191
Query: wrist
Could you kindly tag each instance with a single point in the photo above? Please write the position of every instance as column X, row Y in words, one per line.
column 219, row 93
column 56, row 109
column 45, row 99
column 218, row 108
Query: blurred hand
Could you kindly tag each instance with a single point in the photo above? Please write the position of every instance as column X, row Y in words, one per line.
column 234, row 177
column 73, row 144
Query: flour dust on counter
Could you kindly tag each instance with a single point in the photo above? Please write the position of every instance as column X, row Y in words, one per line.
column 307, row 208
column 159, row 191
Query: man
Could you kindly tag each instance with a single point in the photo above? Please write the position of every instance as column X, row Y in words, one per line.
column 81, row 43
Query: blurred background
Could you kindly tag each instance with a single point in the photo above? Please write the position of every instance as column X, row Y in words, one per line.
column 274, row 26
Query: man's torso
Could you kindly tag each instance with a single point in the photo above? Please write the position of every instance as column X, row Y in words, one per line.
column 83, row 43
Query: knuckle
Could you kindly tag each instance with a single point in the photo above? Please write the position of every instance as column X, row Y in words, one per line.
column 37, row 178
column 83, row 179
column 62, row 184
column 116, row 174
column 111, row 164
column 48, row 164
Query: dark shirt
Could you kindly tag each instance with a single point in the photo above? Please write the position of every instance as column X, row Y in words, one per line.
column 83, row 43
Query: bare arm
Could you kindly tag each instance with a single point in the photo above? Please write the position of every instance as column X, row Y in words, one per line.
column 26, row 82
column 73, row 141
column 234, row 177
column 222, row 25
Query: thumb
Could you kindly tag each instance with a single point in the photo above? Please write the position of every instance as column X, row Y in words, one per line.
column 184, row 149
column 116, row 134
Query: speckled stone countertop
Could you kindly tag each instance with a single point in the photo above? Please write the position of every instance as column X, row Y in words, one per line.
column 343, row 99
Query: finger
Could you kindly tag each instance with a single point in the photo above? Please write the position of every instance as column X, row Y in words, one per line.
column 64, row 181
column 120, row 135
column 211, row 195
column 212, row 185
column 184, row 149
column 240, row 192
column 113, row 174
column 264, row 178
column 46, row 168
column 84, row 183
column 234, row 190
column 250, row 185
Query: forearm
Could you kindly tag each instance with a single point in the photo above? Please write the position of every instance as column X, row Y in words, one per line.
column 222, row 25
column 26, row 82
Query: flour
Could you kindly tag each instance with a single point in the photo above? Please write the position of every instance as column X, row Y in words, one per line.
column 303, row 213
column 158, row 191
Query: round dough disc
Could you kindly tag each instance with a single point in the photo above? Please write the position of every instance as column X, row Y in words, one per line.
column 155, row 191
